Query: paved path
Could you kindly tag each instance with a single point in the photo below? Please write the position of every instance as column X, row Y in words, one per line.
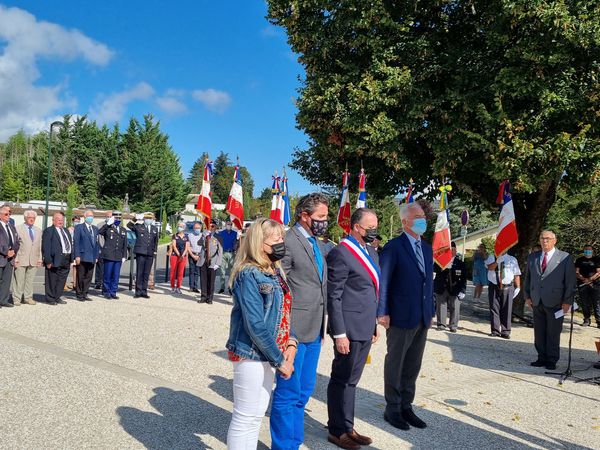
column 135, row 373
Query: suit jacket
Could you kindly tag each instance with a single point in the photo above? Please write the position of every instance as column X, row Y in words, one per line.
column 114, row 242
column 558, row 283
column 5, row 245
column 351, row 295
column 52, row 251
column 406, row 294
column 146, row 243
column 85, row 243
column 215, row 250
column 453, row 279
column 309, row 292
column 30, row 252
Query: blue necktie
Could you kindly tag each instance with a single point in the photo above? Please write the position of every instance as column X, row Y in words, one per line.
column 419, row 254
column 31, row 234
column 318, row 257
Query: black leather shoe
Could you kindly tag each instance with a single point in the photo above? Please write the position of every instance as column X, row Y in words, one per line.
column 505, row 336
column 538, row 363
column 61, row 302
column 51, row 302
column 80, row 299
column 7, row 305
column 396, row 420
column 222, row 291
column 412, row 419
column 87, row 298
column 494, row 334
column 200, row 301
column 551, row 366
column 115, row 297
column 209, row 302
column 136, row 296
column 145, row 296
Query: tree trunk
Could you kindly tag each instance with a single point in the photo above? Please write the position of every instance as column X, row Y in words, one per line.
column 531, row 212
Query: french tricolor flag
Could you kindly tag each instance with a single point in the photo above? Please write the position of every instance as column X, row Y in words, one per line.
column 343, row 218
column 235, row 202
column 204, row 206
column 277, row 205
column 507, row 229
column 361, row 202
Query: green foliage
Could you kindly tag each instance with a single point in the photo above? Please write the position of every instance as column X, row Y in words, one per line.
column 73, row 197
column 489, row 243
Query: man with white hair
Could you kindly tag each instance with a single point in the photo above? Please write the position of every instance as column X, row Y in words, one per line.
column 85, row 245
column 28, row 259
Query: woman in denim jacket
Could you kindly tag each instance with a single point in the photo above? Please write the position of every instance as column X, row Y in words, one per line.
column 260, row 339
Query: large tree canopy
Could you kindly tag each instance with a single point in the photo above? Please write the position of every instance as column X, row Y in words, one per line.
column 472, row 91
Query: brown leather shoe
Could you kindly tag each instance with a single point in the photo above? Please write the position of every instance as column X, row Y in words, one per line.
column 344, row 441
column 29, row 301
column 359, row 438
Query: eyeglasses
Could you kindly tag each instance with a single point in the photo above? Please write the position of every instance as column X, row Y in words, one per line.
column 547, row 239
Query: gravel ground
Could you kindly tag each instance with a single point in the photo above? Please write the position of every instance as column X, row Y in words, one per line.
column 134, row 373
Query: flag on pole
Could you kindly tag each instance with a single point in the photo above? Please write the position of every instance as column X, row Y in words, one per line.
column 204, row 206
column 507, row 228
column 442, row 252
column 235, row 202
column 285, row 199
column 343, row 218
column 361, row 202
column 276, row 202
column 409, row 197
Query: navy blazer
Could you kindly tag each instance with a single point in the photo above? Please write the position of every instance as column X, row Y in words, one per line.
column 85, row 243
column 406, row 294
column 52, row 248
column 351, row 295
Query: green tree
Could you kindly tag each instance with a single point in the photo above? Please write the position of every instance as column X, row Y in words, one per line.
column 73, row 198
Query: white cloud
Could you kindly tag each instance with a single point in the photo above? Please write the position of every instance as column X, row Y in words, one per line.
column 213, row 100
column 111, row 108
column 24, row 103
column 171, row 105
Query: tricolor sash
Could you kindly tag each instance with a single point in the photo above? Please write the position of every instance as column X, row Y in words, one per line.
column 364, row 259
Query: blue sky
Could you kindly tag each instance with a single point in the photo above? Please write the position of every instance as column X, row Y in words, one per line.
column 215, row 73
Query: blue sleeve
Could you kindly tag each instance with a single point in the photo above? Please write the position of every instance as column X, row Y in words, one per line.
column 388, row 262
column 77, row 247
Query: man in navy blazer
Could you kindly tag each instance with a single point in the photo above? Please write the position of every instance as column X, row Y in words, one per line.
column 406, row 308
column 57, row 253
column 352, row 293
column 85, row 243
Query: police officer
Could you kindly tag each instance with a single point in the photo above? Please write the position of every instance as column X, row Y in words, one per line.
column 449, row 286
column 504, row 278
column 145, row 248
column 587, row 268
column 114, row 253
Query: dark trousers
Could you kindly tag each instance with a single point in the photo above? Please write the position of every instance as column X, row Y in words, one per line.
column 142, row 273
column 546, row 330
column 85, row 271
column 110, row 283
column 194, row 273
column 6, row 273
column 501, row 301
column 55, row 279
column 405, row 347
column 589, row 297
column 99, row 277
column 207, row 282
column 346, row 371
column 447, row 303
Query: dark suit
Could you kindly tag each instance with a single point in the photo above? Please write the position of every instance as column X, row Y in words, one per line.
column 447, row 285
column 52, row 253
column 406, row 295
column 548, row 291
column 352, row 309
column 8, row 241
column 146, row 244
column 85, row 245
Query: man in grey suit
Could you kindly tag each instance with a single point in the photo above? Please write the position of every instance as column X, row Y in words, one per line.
column 550, row 284
column 306, row 271
column 29, row 258
column 9, row 246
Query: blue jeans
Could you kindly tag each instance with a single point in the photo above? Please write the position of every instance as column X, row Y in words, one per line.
column 110, row 283
column 291, row 396
column 194, row 273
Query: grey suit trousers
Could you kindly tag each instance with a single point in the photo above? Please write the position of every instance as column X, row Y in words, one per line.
column 547, row 329
column 446, row 303
column 405, row 347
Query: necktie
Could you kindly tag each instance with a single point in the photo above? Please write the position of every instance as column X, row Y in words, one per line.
column 31, row 233
column 544, row 262
column 419, row 254
column 318, row 257
column 66, row 240
column 10, row 236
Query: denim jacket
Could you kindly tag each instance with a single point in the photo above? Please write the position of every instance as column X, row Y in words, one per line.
column 255, row 317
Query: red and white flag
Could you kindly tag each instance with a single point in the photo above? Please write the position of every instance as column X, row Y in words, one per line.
column 343, row 218
column 442, row 253
column 507, row 229
column 277, row 206
column 235, row 202
column 204, row 206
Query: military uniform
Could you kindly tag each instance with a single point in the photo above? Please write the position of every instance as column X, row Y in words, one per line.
column 114, row 254
column 145, row 248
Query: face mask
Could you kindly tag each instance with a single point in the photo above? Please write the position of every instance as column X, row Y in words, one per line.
column 117, row 222
column 180, row 229
column 148, row 222
column 370, row 236
column 318, row 227
column 419, row 226
column 89, row 220
column 197, row 231
column 588, row 253
column 278, row 251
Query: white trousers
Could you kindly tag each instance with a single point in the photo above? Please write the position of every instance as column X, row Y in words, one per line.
column 252, row 387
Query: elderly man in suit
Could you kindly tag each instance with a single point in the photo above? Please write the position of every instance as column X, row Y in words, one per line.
column 550, row 285
column 352, row 295
column 306, row 272
column 57, row 254
column 28, row 259
column 85, row 244
column 406, row 308
column 9, row 246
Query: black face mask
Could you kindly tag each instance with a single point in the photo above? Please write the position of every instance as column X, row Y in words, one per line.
column 278, row 251
column 370, row 236
column 318, row 227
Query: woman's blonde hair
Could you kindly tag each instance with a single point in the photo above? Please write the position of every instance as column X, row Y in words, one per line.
column 251, row 253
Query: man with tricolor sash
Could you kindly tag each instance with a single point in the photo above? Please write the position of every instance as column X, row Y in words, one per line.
column 352, row 297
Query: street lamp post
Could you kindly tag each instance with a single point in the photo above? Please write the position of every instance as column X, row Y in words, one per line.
column 52, row 125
